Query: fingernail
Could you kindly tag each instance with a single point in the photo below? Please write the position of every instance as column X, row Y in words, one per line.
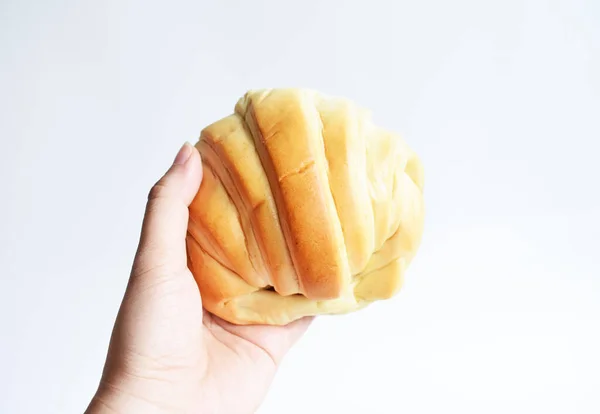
column 184, row 154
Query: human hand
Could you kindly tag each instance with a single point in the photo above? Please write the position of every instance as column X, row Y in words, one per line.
column 167, row 354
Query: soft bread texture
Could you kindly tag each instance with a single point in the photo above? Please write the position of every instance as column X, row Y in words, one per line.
column 306, row 208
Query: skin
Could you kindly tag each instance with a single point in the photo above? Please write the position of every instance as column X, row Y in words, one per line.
column 167, row 354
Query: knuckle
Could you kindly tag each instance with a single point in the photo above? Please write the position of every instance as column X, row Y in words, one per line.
column 158, row 190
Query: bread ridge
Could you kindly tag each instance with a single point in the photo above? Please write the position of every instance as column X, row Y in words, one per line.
column 292, row 153
column 279, row 266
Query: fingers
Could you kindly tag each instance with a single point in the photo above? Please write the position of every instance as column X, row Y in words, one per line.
column 292, row 332
column 162, row 241
column 276, row 341
column 296, row 329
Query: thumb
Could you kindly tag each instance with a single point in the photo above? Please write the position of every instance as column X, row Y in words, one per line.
column 162, row 240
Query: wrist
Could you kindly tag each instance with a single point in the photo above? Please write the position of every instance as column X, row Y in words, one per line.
column 126, row 398
column 117, row 401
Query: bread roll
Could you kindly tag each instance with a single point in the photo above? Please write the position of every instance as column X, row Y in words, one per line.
column 306, row 207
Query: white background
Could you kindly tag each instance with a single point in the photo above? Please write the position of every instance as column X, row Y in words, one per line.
column 501, row 309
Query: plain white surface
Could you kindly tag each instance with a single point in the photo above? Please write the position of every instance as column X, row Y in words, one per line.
column 501, row 309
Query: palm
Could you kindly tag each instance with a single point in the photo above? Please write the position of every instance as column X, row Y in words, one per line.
column 244, row 359
column 249, row 355
column 235, row 364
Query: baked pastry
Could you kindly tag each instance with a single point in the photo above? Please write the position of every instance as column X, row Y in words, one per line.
column 306, row 207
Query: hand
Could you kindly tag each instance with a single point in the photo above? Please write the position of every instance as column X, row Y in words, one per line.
column 167, row 354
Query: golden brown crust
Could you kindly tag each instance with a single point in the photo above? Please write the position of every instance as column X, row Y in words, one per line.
column 306, row 208
column 292, row 155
